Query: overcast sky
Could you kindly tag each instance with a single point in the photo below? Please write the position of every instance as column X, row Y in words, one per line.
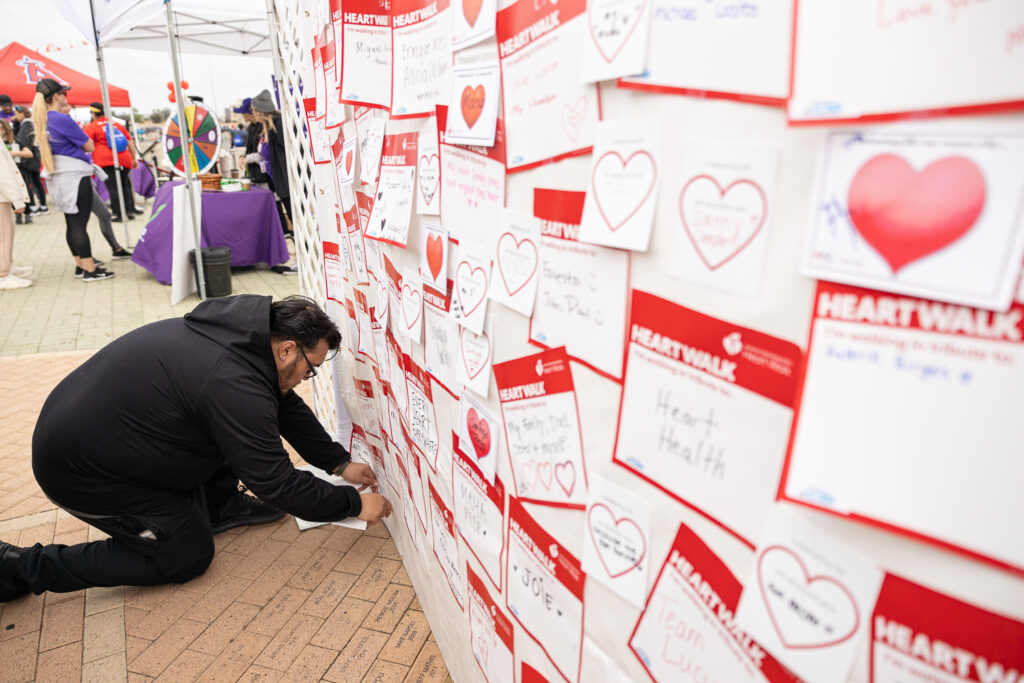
column 220, row 80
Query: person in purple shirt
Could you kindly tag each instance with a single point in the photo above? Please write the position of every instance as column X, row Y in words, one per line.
column 6, row 107
column 63, row 146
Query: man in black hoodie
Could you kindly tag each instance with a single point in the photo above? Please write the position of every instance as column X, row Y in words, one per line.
column 142, row 437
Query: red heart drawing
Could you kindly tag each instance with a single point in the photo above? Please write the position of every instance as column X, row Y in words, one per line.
column 472, row 104
column 906, row 215
column 471, row 10
column 348, row 161
column 435, row 254
column 476, row 362
column 565, row 475
column 711, row 250
column 479, row 433
column 460, row 276
column 503, row 252
column 572, row 118
column 610, row 175
column 599, row 513
column 828, row 587
column 530, row 473
column 606, row 27
column 544, row 475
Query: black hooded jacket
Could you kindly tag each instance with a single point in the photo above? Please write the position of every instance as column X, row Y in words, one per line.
column 160, row 408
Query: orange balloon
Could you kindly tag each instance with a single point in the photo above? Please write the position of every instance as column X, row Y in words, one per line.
column 170, row 85
column 170, row 97
column 184, row 85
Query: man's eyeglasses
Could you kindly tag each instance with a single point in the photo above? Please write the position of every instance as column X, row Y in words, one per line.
column 311, row 373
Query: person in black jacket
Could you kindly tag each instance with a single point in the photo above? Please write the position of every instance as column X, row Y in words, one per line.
column 269, row 118
column 189, row 406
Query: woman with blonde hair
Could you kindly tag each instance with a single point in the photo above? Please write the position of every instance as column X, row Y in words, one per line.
column 63, row 146
column 266, row 113
column 13, row 195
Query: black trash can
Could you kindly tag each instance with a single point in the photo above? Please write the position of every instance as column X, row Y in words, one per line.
column 216, row 270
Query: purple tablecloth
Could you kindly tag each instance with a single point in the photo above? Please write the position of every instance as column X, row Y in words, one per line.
column 245, row 221
column 143, row 181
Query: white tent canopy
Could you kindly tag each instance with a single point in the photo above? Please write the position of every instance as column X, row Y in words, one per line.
column 226, row 27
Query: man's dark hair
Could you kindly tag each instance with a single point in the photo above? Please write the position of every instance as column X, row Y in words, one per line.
column 299, row 319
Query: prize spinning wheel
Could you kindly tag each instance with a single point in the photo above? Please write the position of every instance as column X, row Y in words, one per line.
column 205, row 140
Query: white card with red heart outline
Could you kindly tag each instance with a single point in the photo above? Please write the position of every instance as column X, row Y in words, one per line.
column 722, row 214
column 622, row 189
column 542, row 429
column 473, row 366
column 344, row 151
column 370, row 131
column 808, row 598
column 474, row 106
column 434, row 256
column 412, row 306
column 929, row 211
column 516, row 259
column 617, row 540
column 472, row 22
column 479, row 435
column 428, row 169
column 549, row 114
column 688, row 621
column 616, row 40
column 471, row 276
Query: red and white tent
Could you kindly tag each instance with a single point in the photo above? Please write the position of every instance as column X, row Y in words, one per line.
column 21, row 68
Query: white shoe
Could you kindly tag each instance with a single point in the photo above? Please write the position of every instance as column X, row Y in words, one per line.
column 21, row 271
column 14, row 282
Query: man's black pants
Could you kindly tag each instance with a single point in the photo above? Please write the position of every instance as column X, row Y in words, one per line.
column 113, row 177
column 170, row 543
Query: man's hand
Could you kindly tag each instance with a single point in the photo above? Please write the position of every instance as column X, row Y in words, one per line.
column 375, row 506
column 361, row 475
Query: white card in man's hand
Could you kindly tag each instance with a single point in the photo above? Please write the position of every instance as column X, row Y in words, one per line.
column 351, row 522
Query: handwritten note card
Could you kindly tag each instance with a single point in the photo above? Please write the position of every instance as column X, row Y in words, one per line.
column 473, row 369
column 885, row 215
column 581, row 294
column 737, row 50
column 369, row 409
column 366, row 62
column 428, row 169
column 538, row 405
column 473, row 108
column 370, row 131
column 472, row 183
column 929, row 378
column 421, row 54
column 549, row 114
column 472, row 278
column 808, row 598
column 344, row 152
column 422, row 419
column 689, row 622
column 616, row 41
column 479, row 512
column 392, row 204
column 516, row 262
column 545, row 591
column 491, row 635
column 617, row 540
column 446, row 548
column 835, row 80
column 478, row 434
column 706, row 411
column 622, row 193
column 440, row 340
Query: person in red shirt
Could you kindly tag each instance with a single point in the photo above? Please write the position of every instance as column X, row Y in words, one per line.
column 103, row 156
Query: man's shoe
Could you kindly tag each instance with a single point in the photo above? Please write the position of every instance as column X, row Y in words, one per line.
column 121, row 253
column 97, row 275
column 242, row 510
column 12, row 586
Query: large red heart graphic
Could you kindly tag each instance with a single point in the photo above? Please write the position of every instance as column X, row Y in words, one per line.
column 600, row 515
column 472, row 104
column 471, row 10
column 479, row 433
column 435, row 254
column 906, row 215
column 348, row 162
column 835, row 609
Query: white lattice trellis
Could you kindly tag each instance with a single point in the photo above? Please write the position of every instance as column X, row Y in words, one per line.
column 286, row 20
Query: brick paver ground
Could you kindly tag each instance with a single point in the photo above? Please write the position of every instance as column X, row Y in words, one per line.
column 327, row 604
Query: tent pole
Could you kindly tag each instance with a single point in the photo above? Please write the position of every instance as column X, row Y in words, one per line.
column 186, row 147
column 110, row 124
